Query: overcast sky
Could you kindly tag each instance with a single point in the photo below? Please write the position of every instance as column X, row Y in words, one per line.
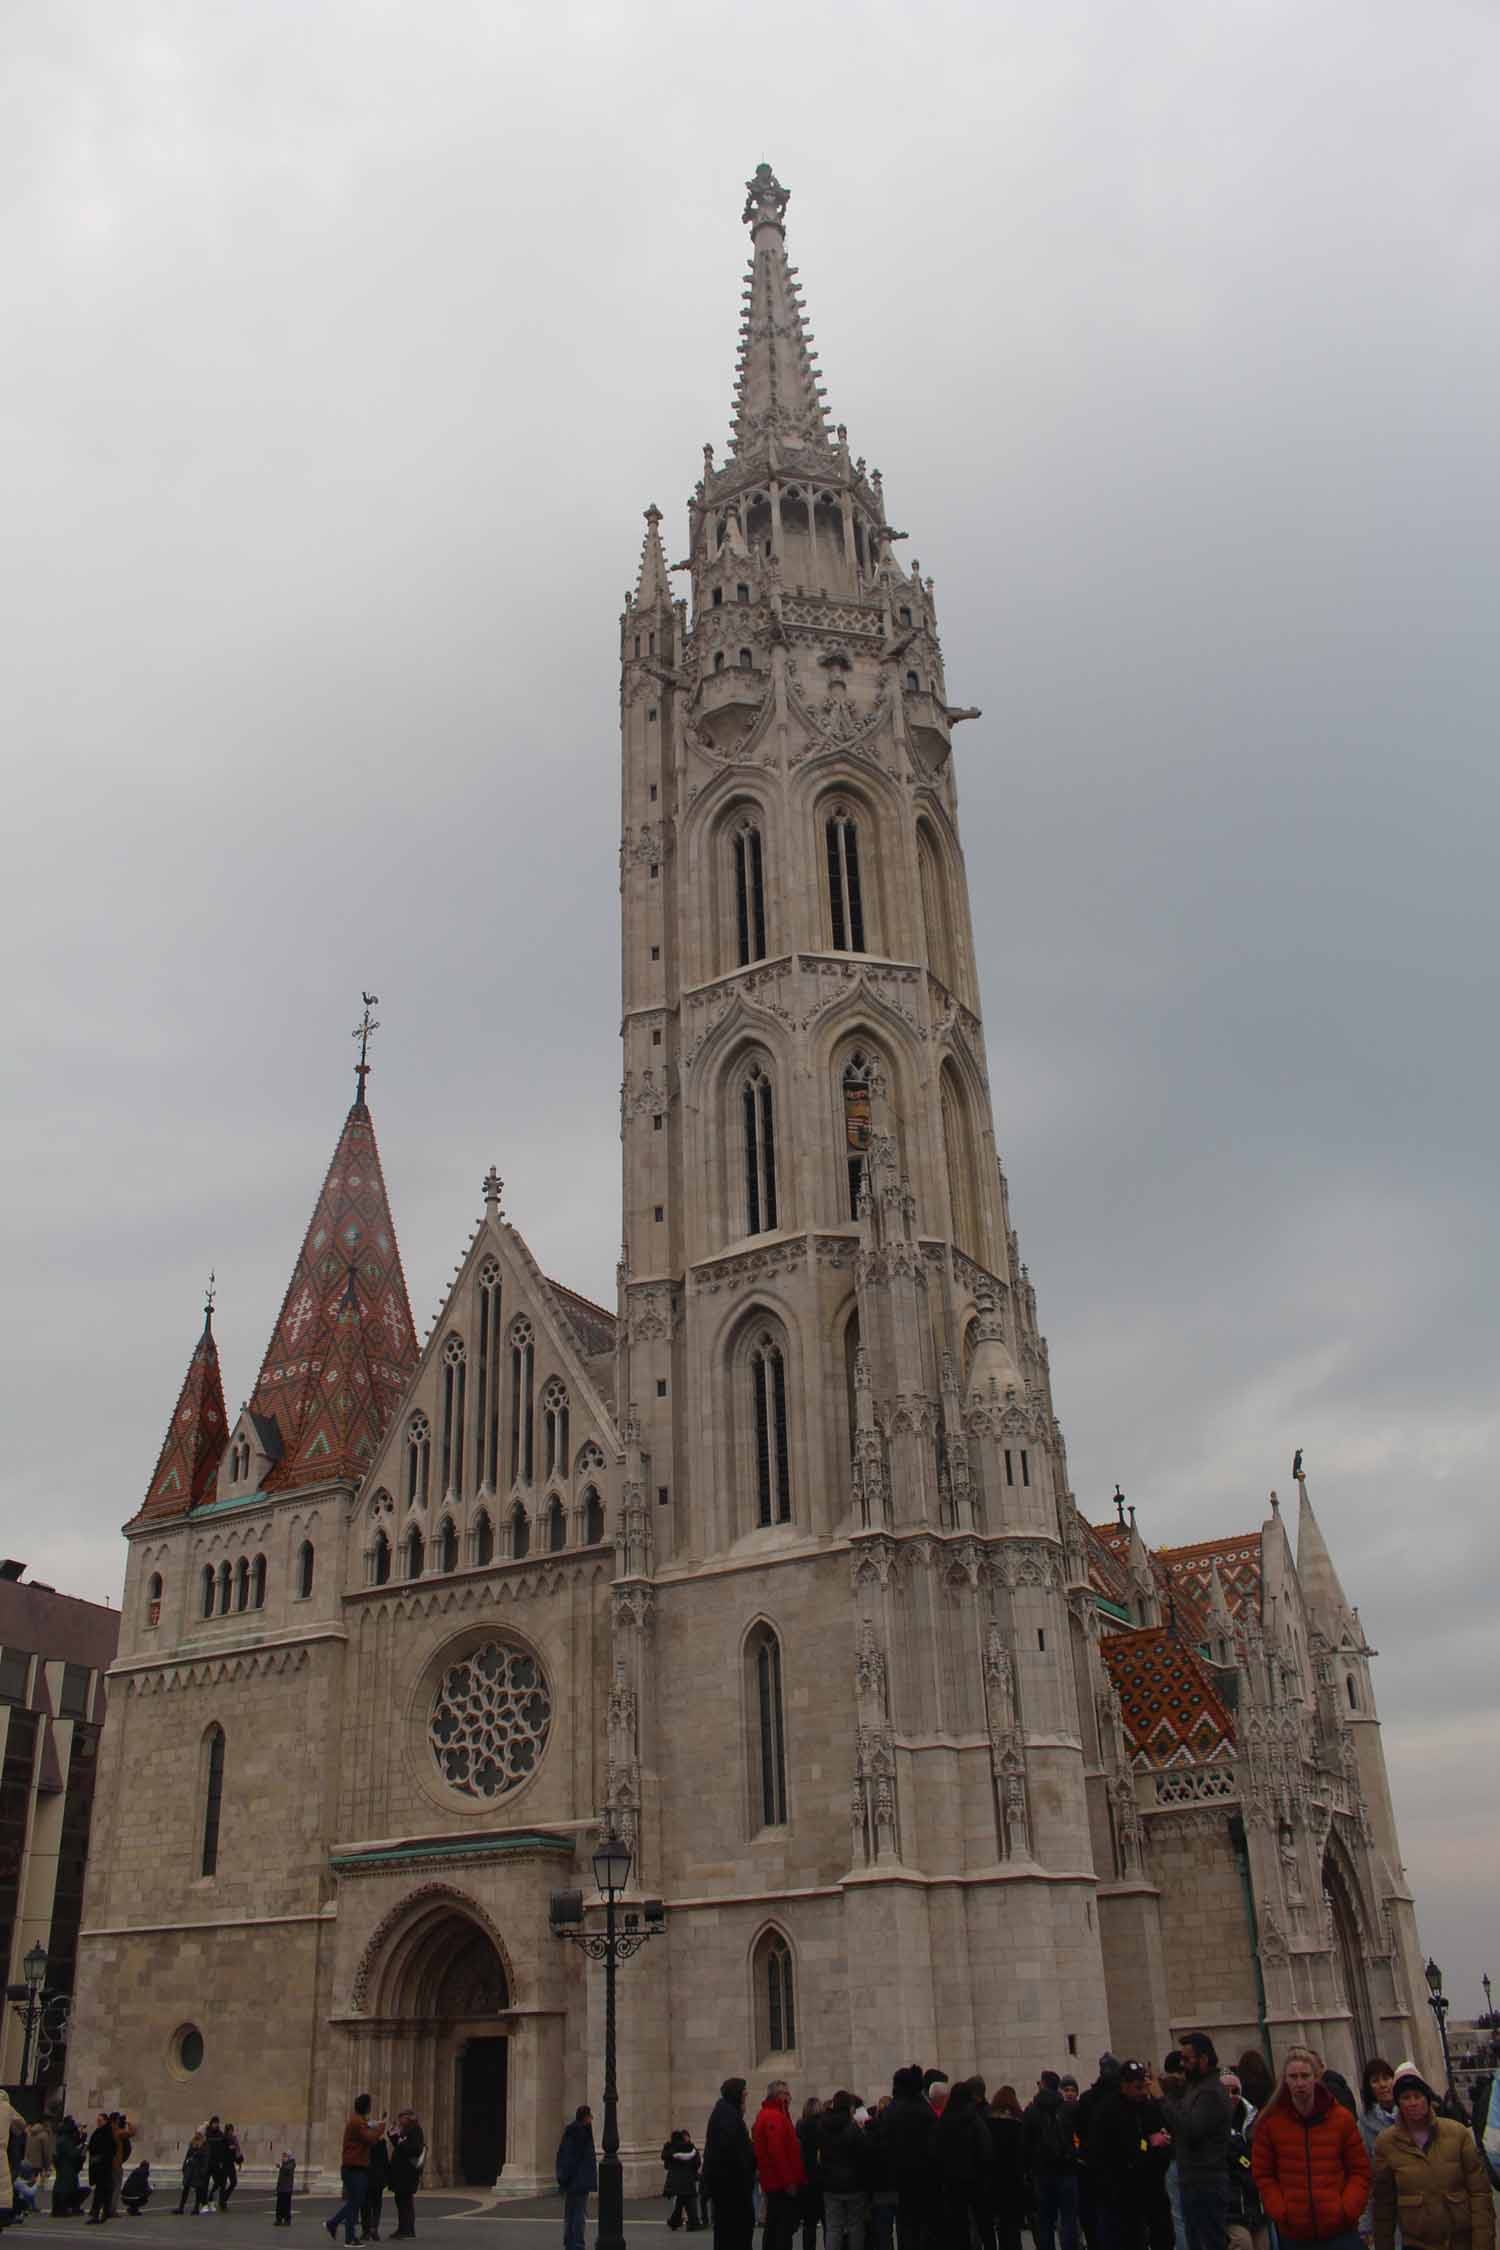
column 346, row 343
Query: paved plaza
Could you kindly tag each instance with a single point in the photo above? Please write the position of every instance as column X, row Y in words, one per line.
column 527, row 2222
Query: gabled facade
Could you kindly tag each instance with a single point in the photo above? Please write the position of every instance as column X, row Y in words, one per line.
column 776, row 1570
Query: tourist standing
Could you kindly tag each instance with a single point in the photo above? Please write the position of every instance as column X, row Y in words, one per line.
column 1310, row 2163
column 729, row 2169
column 778, row 2161
column 577, row 2174
column 286, row 2181
column 1200, row 2118
column 1052, row 2162
column 843, row 2155
column 1129, row 2147
column 194, row 2174
column 369, row 2218
column 1430, row 2174
column 682, row 2166
column 67, row 2161
column 408, row 2156
column 360, row 2137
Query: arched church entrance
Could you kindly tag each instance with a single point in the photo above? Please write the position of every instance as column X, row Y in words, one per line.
column 439, row 1997
column 1348, row 1956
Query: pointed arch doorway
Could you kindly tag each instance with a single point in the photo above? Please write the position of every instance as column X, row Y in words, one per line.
column 1349, row 1955
column 440, row 1996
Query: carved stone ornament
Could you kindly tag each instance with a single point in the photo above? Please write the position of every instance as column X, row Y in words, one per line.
column 633, row 1609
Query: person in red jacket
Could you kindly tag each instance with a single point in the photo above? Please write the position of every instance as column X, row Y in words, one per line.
column 778, row 2160
column 1309, row 2160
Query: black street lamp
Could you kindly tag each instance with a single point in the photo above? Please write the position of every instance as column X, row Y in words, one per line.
column 1440, row 2007
column 34, row 1969
column 611, row 1874
column 1489, row 2005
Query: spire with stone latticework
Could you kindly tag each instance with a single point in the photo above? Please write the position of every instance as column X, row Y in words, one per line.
column 196, row 1435
column 777, row 393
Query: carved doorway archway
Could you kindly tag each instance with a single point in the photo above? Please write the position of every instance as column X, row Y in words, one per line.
column 440, row 1996
column 1348, row 1956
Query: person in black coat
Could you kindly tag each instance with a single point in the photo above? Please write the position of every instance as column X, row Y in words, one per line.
column 810, row 2202
column 845, row 2170
column 375, row 2187
column 908, row 2136
column 404, row 2171
column 963, row 2160
column 1129, row 2148
column 682, row 2165
column 729, row 2169
column 101, row 2159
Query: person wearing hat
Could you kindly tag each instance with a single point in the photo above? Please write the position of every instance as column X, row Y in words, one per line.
column 1429, row 2177
column 728, row 2177
column 1309, row 2162
column 1129, row 2149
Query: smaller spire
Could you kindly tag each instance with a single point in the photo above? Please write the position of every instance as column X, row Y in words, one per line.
column 1321, row 1590
column 493, row 1187
column 652, row 585
column 210, row 1294
column 197, row 1433
column 362, row 1030
column 778, row 393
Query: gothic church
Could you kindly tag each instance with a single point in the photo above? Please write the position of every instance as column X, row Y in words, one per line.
column 775, row 1567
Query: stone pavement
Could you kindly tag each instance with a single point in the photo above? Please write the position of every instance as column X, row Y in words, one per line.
column 511, row 2223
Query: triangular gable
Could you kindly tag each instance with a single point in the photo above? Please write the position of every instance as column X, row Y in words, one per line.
column 196, row 1435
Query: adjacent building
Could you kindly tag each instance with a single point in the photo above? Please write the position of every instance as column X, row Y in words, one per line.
column 775, row 1568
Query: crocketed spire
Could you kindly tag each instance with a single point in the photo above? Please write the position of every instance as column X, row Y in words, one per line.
column 652, row 585
column 777, row 391
column 196, row 1434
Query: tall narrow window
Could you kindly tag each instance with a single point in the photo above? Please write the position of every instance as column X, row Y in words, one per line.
column 380, row 1560
column 773, row 1484
column 935, row 919
column 522, row 1404
column 846, row 907
column 857, row 1127
column 768, row 1744
column 304, row 1570
column 775, row 2004
column 455, row 1379
column 484, row 1539
column 208, row 1589
column 749, row 894
column 555, row 1429
column 213, row 1799
column 418, row 1460
column 759, row 1127
column 226, row 1588
column 520, row 1532
column 258, row 1583
column 959, row 1154
column 487, row 1419
column 242, row 1583
column 153, row 1598
column 447, row 1545
column 416, row 1553
column 557, row 1527
column 593, row 1519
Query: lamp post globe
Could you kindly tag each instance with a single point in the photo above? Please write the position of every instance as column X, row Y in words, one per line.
column 34, row 1967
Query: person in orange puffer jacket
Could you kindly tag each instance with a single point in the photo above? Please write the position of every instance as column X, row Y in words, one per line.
column 778, row 2160
column 1309, row 2160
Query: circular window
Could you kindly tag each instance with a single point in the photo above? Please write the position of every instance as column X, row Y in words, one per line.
column 187, row 2050
column 490, row 1717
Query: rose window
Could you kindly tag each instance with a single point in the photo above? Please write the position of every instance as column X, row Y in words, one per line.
column 490, row 1718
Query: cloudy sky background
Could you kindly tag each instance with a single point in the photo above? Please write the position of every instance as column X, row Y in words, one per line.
column 346, row 344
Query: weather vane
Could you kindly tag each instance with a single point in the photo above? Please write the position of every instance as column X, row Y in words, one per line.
column 208, row 1304
column 361, row 1032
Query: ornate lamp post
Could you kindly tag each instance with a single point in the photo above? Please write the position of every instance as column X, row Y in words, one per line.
column 1440, row 2007
column 34, row 1969
column 611, row 1874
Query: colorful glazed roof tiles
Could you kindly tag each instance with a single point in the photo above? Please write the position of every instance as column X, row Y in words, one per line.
column 1173, row 1715
column 343, row 1348
column 189, row 1459
column 1237, row 1561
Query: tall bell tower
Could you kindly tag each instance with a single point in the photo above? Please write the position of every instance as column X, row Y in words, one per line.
column 845, row 1491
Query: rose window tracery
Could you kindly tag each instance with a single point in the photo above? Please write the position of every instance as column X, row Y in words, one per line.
column 490, row 1718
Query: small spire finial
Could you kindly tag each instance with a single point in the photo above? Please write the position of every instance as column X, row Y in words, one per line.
column 765, row 200
column 1298, row 1476
column 1275, row 1505
column 209, row 1295
column 1119, row 1505
column 493, row 1185
column 361, row 1032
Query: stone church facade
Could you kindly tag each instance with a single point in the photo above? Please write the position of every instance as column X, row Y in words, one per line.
column 776, row 1568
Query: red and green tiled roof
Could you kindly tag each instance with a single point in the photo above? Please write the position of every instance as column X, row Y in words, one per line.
column 1237, row 1561
column 189, row 1460
column 1173, row 1715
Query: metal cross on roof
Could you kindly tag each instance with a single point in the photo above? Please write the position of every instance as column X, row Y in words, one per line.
column 361, row 1032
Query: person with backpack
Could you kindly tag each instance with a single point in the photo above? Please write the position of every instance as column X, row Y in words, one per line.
column 682, row 2166
column 1052, row 2162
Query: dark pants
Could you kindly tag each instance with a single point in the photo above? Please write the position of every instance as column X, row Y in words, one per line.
column 882, row 2221
column 370, row 2217
column 283, row 2207
column 195, row 2190
column 914, row 2226
column 406, row 2213
column 1205, row 2214
column 685, row 2207
column 102, row 2182
column 575, row 2217
column 1142, row 2224
column 1057, row 2206
column 734, row 2220
column 810, row 2211
column 781, row 2219
column 356, row 2182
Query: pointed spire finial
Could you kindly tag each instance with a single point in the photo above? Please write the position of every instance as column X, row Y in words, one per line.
column 765, row 200
column 1119, row 1505
column 1298, row 1475
column 362, row 1030
column 493, row 1186
column 208, row 1302
column 778, row 392
column 653, row 584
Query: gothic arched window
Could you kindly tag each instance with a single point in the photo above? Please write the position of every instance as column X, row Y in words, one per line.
column 416, row 1553
column 455, row 1380
column 484, row 1538
column 305, row 1570
column 242, row 1583
column 418, row 1460
column 593, row 1519
column 749, row 894
column 226, row 1588
column 958, row 1152
column 487, row 1426
column 208, row 1589
column 380, row 1560
column 555, row 1429
column 936, row 919
column 773, row 1482
column 447, row 1545
column 775, row 1999
column 767, row 1730
column 758, row 1126
column 845, row 901
column 520, row 1532
column 153, row 1598
column 522, row 1428
column 213, row 1800
column 258, row 1583
column 557, row 1526
column 857, row 1122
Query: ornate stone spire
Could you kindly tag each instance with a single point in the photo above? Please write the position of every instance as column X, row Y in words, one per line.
column 1321, row 1590
column 777, row 392
column 196, row 1434
column 652, row 585
column 343, row 1348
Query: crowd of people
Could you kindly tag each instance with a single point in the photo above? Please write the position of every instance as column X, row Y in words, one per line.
column 377, row 2156
column 1197, row 2157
